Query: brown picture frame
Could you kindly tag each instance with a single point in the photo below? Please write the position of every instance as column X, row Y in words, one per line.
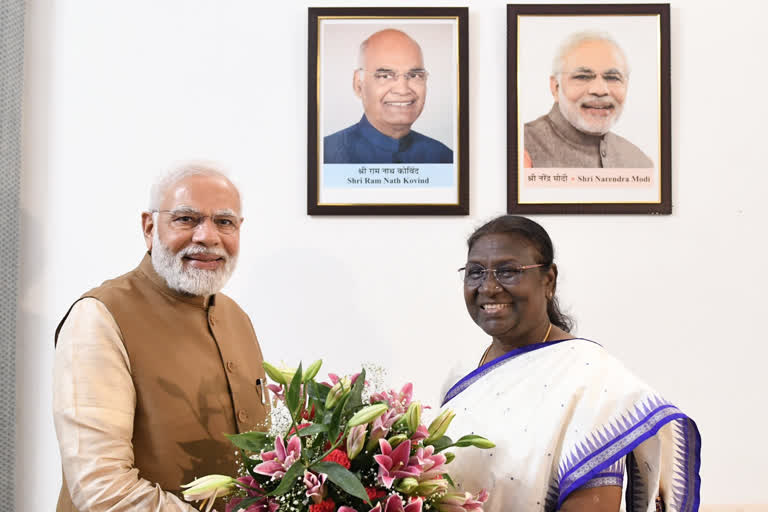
column 335, row 35
column 563, row 184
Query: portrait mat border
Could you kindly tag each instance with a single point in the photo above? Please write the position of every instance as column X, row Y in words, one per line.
column 315, row 139
column 515, row 169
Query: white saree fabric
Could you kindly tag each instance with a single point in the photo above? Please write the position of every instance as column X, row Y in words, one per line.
column 564, row 415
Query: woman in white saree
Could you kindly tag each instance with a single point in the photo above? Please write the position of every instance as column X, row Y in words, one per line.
column 571, row 424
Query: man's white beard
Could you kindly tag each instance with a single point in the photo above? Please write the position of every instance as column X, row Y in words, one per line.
column 194, row 281
column 571, row 110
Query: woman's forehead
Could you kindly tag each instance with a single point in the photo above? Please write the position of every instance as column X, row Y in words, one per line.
column 501, row 245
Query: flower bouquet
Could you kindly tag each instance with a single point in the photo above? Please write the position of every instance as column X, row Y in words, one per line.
column 340, row 447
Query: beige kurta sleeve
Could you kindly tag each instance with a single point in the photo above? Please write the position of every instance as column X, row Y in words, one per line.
column 93, row 407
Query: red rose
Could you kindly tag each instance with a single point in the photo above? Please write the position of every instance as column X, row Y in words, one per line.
column 374, row 493
column 308, row 415
column 324, row 506
column 338, row 457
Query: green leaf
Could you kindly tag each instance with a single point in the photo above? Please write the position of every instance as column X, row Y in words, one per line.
column 292, row 396
column 250, row 501
column 356, row 393
column 317, row 394
column 333, row 426
column 289, row 479
column 251, row 441
column 317, row 391
column 343, row 478
column 450, row 480
column 441, row 443
column 313, row 429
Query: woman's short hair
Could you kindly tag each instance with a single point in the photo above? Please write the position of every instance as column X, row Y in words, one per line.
column 538, row 236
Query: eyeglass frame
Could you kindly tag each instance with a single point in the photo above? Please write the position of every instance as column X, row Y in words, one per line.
column 518, row 272
column 623, row 77
column 201, row 219
column 398, row 75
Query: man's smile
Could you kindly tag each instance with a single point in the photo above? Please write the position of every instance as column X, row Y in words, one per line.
column 400, row 103
column 204, row 261
column 598, row 109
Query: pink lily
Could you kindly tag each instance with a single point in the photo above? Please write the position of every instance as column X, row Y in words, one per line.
column 395, row 463
column 335, row 379
column 355, row 440
column 315, row 486
column 381, row 427
column 277, row 462
column 346, row 509
column 431, row 465
column 461, row 502
column 395, row 504
column 277, row 391
column 252, row 487
column 421, row 434
column 397, row 401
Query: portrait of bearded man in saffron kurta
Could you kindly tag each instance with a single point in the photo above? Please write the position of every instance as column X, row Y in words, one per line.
column 589, row 85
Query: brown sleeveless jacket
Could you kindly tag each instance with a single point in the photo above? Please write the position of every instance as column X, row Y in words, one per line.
column 197, row 370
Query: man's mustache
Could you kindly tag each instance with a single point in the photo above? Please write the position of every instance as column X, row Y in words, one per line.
column 196, row 249
column 597, row 102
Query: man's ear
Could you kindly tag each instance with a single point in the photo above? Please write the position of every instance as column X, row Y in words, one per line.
column 357, row 83
column 553, row 86
column 147, row 227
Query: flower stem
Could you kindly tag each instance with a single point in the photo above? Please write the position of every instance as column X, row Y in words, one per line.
column 333, row 447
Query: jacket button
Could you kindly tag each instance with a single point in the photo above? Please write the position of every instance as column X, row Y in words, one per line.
column 242, row 415
column 231, row 366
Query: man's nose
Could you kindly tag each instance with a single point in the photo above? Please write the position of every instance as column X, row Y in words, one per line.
column 599, row 87
column 206, row 233
column 401, row 84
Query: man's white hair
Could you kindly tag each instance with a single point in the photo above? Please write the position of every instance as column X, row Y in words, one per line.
column 178, row 172
column 577, row 39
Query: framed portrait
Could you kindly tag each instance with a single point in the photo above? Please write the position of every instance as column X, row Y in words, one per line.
column 388, row 111
column 588, row 109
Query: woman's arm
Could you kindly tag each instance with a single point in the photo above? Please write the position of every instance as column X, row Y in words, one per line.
column 596, row 499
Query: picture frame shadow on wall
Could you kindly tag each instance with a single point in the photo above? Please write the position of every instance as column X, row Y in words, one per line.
column 388, row 111
column 588, row 109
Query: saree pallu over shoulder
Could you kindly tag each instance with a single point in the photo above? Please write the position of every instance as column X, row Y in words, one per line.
column 566, row 415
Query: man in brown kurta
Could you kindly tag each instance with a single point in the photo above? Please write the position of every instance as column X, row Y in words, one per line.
column 589, row 84
column 152, row 368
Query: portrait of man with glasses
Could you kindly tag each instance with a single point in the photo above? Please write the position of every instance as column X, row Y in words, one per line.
column 391, row 82
column 589, row 84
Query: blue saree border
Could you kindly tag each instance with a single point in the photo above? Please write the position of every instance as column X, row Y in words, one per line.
column 488, row 367
column 632, row 431
column 686, row 488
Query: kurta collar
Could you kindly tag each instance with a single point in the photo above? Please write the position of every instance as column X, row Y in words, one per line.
column 146, row 268
column 566, row 130
column 382, row 141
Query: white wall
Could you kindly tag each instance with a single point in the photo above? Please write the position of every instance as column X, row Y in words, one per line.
column 116, row 90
